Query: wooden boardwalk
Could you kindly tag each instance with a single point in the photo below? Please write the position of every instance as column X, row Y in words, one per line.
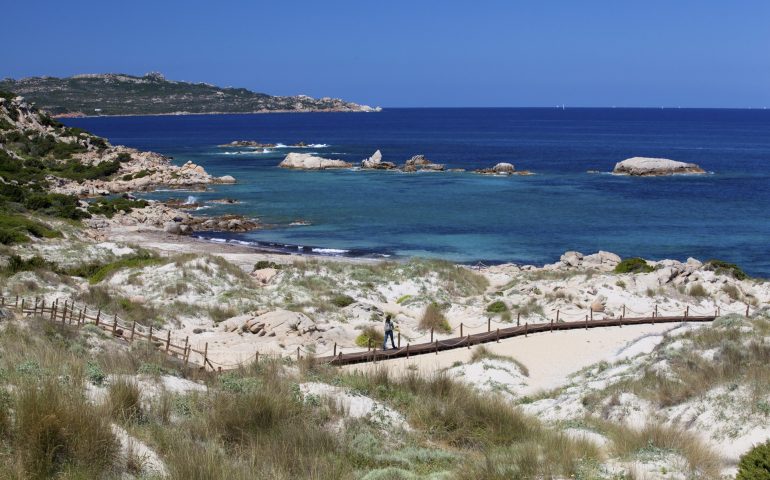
column 496, row 335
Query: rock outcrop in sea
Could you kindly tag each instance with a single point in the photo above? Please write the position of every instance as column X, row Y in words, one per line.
column 307, row 161
column 648, row 167
column 502, row 168
column 419, row 162
column 375, row 162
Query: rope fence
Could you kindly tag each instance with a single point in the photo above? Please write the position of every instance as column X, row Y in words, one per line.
column 79, row 315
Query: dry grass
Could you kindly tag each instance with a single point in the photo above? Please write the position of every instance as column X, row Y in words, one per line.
column 433, row 319
column 56, row 431
column 653, row 438
column 481, row 352
column 125, row 400
column 498, row 440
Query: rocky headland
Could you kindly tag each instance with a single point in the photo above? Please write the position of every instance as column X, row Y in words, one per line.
column 653, row 167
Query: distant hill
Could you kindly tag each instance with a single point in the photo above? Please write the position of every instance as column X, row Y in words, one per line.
column 153, row 94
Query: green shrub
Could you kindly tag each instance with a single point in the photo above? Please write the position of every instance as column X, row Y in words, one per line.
column 721, row 267
column 497, row 307
column 94, row 373
column 267, row 264
column 123, row 157
column 433, row 318
column 633, row 265
column 110, row 206
column 141, row 259
column 376, row 335
column 17, row 264
column 15, row 228
column 755, row 464
column 342, row 301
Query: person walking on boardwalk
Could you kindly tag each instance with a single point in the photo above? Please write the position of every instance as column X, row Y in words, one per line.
column 388, row 333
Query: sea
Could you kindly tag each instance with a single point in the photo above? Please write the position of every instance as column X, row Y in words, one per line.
column 571, row 202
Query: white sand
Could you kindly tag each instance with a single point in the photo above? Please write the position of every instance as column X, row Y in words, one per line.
column 550, row 357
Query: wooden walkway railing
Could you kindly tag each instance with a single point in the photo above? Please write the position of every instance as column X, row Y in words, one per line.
column 70, row 313
column 470, row 340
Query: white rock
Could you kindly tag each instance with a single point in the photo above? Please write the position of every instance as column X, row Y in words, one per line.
column 306, row 161
column 645, row 166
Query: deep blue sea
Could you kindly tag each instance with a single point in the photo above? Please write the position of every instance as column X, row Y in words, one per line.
column 469, row 218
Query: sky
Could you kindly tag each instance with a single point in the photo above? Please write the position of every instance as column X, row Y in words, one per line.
column 418, row 53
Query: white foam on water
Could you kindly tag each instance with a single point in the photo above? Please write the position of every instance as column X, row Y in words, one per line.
column 332, row 251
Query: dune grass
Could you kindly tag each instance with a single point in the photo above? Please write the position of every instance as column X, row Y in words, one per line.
column 433, row 319
column 481, row 352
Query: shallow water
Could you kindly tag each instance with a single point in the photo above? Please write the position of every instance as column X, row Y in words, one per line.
column 467, row 217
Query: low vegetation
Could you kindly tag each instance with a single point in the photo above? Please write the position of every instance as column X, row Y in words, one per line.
column 109, row 207
column 497, row 306
column 633, row 265
column 370, row 336
column 755, row 464
column 481, row 353
column 433, row 319
column 724, row 268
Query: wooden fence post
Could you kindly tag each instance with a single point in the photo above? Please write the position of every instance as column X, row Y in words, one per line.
column 687, row 311
column 53, row 312
column 656, row 309
column 168, row 340
column 399, row 339
column 22, row 306
column 115, row 325
column 98, row 315
column 586, row 322
column 518, row 319
column 335, row 349
column 407, row 350
column 369, row 345
column 624, row 311
column 489, row 324
column 468, row 339
column 16, row 303
column 526, row 328
column 592, row 314
column 461, row 329
column 552, row 325
column 256, row 357
column 133, row 329
column 557, row 316
column 431, row 335
column 498, row 335
column 298, row 357
column 747, row 310
column 206, row 354
column 436, row 347
column 149, row 339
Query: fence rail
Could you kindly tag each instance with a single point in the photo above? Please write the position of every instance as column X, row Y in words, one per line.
column 467, row 341
column 71, row 313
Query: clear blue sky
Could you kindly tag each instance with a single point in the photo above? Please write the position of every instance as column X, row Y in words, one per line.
column 414, row 53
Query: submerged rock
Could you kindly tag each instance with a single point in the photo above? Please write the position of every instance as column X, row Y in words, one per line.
column 306, row 161
column 645, row 167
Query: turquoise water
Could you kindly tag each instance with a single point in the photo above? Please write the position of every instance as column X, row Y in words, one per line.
column 468, row 218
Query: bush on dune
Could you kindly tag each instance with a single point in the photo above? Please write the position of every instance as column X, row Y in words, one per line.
column 755, row 464
column 433, row 319
column 633, row 265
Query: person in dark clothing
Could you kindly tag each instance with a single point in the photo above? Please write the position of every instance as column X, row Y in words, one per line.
column 389, row 327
